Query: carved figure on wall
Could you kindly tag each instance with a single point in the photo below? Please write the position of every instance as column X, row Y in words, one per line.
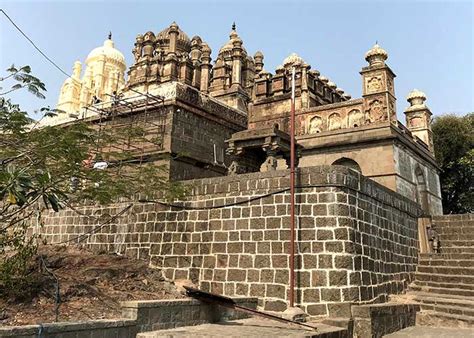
column 334, row 121
column 374, row 84
column 270, row 163
column 315, row 125
column 376, row 111
column 355, row 118
column 235, row 168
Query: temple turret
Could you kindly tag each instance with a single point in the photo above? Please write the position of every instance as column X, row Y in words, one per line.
column 231, row 73
column 418, row 118
column 378, row 89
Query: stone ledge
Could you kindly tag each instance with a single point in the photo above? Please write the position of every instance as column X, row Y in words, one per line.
column 143, row 316
column 64, row 327
column 174, row 302
column 373, row 310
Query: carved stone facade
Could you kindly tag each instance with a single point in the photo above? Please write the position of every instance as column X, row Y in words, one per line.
column 234, row 115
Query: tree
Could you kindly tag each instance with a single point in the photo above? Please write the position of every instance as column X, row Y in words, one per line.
column 51, row 167
column 453, row 138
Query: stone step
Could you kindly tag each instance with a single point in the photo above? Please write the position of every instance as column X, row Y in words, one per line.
column 461, row 286
column 442, row 291
column 451, row 309
column 447, row 270
column 453, row 217
column 454, row 230
column 449, row 248
column 445, row 300
column 454, row 224
column 448, row 256
column 441, row 319
column 460, row 236
column 456, row 243
column 443, row 278
column 446, row 262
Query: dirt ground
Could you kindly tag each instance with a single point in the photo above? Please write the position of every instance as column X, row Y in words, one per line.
column 91, row 287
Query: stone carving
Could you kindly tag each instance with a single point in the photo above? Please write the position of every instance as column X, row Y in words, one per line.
column 270, row 163
column 235, row 168
column 334, row 121
column 355, row 118
column 390, row 85
column 376, row 111
column 416, row 121
column 374, row 84
column 315, row 125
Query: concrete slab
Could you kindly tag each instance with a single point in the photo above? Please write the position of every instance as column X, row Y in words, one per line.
column 252, row 327
column 432, row 332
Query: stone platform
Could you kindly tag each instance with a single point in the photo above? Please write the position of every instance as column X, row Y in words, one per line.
column 251, row 327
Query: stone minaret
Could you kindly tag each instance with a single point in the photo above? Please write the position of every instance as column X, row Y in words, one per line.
column 418, row 118
column 378, row 87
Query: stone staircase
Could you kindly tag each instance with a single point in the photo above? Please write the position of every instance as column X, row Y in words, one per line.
column 444, row 282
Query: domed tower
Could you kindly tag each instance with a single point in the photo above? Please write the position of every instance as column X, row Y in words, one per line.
column 104, row 73
column 378, row 88
column 233, row 73
column 170, row 55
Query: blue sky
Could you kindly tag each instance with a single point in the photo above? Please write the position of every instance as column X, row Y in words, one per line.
column 430, row 43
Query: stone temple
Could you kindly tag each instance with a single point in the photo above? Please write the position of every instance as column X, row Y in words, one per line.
column 230, row 116
column 367, row 183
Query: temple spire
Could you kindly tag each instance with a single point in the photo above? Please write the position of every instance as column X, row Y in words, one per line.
column 110, row 35
column 233, row 26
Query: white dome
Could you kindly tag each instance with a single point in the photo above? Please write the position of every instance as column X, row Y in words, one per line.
column 108, row 50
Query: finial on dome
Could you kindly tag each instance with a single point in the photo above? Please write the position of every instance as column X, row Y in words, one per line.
column 416, row 98
column 376, row 55
column 293, row 59
column 110, row 35
column 233, row 26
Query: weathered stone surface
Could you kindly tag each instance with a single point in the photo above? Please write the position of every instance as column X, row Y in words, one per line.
column 353, row 258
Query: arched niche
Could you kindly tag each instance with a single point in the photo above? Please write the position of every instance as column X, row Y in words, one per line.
column 348, row 162
column 334, row 121
column 355, row 118
column 315, row 125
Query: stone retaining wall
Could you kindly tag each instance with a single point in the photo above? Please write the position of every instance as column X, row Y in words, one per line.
column 357, row 240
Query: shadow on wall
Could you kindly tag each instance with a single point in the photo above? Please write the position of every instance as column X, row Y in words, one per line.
column 347, row 162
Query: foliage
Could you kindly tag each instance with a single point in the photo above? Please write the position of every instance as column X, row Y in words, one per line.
column 453, row 138
column 49, row 167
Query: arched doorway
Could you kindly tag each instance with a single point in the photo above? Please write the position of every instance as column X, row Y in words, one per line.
column 347, row 162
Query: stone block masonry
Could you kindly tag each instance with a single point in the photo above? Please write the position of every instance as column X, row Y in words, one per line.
column 357, row 241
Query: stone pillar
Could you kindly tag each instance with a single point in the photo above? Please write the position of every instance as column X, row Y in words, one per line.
column 195, row 59
column 304, row 85
column 258, row 57
column 205, row 66
column 173, row 32
column 237, row 63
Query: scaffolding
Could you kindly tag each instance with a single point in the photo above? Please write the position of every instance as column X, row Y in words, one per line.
column 141, row 113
